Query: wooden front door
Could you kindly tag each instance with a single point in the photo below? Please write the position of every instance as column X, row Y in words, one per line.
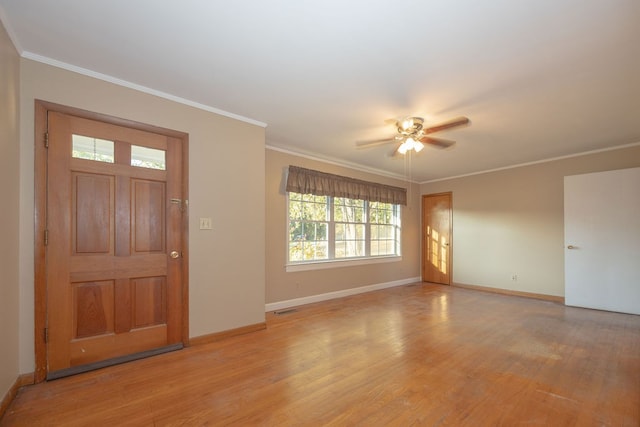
column 114, row 242
column 436, row 241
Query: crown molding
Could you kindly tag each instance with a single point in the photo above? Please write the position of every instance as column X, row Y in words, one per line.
column 551, row 159
column 110, row 79
column 339, row 162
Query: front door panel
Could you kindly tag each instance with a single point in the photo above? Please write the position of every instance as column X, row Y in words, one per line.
column 112, row 288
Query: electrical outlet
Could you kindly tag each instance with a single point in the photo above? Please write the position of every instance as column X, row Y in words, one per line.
column 206, row 224
column 514, row 277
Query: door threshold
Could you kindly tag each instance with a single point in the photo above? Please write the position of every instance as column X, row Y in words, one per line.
column 110, row 362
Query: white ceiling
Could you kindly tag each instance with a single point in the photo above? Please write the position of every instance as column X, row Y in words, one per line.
column 539, row 79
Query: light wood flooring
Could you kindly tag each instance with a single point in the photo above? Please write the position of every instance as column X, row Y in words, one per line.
column 414, row 355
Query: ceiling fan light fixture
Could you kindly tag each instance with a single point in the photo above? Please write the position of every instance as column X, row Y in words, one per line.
column 410, row 125
column 410, row 144
column 413, row 136
column 402, row 149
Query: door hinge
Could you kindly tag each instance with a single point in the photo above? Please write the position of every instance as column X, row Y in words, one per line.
column 46, row 140
column 46, row 335
column 46, row 237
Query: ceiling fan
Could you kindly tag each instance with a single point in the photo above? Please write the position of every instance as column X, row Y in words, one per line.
column 412, row 135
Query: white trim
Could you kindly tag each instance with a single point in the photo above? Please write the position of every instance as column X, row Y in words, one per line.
column 90, row 73
column 338, row 162
column 337, row 294
column 552, row 159
column 330, row 160
column 337, row 263
column 362, row 168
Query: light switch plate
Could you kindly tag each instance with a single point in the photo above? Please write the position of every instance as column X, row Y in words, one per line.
column 205, row 224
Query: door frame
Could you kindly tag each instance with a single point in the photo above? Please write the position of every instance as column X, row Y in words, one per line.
column 42, row 108
column 424, row 235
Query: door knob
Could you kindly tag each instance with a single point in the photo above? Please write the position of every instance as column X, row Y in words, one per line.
column 572, row 247
column 174, row 254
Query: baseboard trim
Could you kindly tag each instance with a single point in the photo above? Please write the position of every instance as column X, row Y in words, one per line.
column 21, row 381
column 218, row 336
column 545, row 297
column 337, row 294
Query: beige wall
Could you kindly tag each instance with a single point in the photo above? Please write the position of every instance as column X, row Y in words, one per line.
column 9, row 220
column 227, row 263
column 283, row 286
column 512, row 221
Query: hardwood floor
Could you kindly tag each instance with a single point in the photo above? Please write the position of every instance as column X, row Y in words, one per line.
column 414, row 355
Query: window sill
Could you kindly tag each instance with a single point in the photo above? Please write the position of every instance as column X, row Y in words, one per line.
column 334, row 263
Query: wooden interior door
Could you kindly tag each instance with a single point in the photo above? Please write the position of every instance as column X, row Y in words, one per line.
column 113, row 245
column 436, row 242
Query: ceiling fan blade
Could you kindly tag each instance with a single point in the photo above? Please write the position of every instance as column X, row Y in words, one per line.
column 375, row 142
column 458, row 121
column 437, row 142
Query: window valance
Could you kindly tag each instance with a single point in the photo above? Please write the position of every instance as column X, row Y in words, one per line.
column 308, row 181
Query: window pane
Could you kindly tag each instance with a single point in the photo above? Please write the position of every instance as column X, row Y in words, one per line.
column 374, row 232
column 349, row 215
column 315, row 250
column 308, row 227
column 383, row 247
column 295, row 210
column 381, row 213
column 314, row 199
column 296, row 251
column 315, row 210
column 321, row 231
column 295, row 231
column 348, row 210
column 340, row 248
column 386, row 231
column 307, row 251
column 294, row 196
column 85, row 147
column 322, row 251
column 145, row 157
column 349, row 240
column 355, row 248
column 349, row 249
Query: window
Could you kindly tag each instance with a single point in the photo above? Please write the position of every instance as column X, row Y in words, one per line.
column 102, row 150
column 86, row 147
column 338, row 218
column 324, row 228
column 145, row 157
column 383, row 229
column 308, row 227
column 349, row 225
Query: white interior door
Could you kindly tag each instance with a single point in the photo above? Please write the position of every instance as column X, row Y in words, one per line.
column 602, row 240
